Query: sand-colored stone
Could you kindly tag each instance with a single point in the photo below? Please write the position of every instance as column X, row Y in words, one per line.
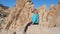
column 43, row 13
column 21, row 14
column 42, row 30
column 58, row 15
column 52, row 16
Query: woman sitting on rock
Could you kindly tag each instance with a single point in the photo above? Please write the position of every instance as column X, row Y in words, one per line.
column 34, row 21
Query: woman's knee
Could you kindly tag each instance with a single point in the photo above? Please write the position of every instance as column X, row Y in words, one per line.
column 29, row 24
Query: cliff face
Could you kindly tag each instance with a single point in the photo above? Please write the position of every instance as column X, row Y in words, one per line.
column 58, row 15
column 52, row 16
column 3, row 14
column 21, row 14
column 43, row 13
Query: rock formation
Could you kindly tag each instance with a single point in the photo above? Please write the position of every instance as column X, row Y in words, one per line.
column 3, row 14
column 21, row 14
column 58, row 15
column 52, row 16
column 43, row 13
column 50, row 20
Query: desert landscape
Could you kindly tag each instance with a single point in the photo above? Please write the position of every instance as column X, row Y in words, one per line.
column 15, row 19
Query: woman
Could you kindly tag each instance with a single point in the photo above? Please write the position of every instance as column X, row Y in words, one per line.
column 34, row 21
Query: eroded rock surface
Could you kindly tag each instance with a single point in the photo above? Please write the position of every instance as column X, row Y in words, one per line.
column 21, row 14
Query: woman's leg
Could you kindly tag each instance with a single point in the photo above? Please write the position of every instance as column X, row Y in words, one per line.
column 27, row 26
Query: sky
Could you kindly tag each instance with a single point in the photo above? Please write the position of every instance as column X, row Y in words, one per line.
column 37, row 3
column 9, row 3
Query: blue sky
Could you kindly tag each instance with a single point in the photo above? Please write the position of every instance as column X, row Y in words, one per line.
column 9, row 3
column 37, row 3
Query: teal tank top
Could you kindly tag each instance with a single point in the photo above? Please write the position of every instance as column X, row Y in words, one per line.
column 35, row 18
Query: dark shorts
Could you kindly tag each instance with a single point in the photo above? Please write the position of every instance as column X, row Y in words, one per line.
column 35, row 23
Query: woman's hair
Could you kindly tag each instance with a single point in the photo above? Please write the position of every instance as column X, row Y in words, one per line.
column 34, row 10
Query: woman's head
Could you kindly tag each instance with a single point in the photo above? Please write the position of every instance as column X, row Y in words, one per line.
column 35, row 11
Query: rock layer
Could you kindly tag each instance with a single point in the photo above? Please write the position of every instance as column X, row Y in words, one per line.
column 21, row 14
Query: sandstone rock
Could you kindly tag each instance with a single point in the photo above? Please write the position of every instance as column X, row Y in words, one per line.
column 42, row 30
column 52, row 16
column 21, row 14
column 58, row 15
column 43, row 13
column 3, row 15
